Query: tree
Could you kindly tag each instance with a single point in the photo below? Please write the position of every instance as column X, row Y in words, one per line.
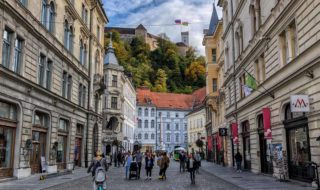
column 195, row 74
column 161, row 82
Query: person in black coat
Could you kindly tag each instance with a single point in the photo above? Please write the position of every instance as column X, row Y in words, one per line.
column 192, row 166
column 149, row 165
column 238, row 158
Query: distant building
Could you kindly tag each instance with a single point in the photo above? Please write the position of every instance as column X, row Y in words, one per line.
column 127, row 34
column 196, row 120
column 185, row 38
column 182, row 48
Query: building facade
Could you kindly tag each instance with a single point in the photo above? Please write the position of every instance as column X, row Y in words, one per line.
column 196, row 120
column 276, row 43
column 214, row 90
column 47, row 73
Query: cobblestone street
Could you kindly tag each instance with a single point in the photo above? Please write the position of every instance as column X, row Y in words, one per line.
column 175, row 181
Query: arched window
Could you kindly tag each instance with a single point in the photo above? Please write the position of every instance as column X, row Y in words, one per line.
column 146, row 124
column 152, row 112
column 146, row 136
column 139, row 136
column 81, row 52
column 152, row 136
column 66, row 34
column 152, row 123
column 51, row 19
column 139, row 112
column 146, row 112
column 43, row 12
column 70, row 43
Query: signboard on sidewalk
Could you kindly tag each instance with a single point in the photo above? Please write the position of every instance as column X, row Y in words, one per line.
column 299, row 103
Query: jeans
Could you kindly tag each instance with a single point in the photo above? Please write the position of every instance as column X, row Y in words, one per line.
column 192, row 176
column 182, row 166
column 163, row 172
column 238, row 165
column 127, row 171
column 149, row 171
column 139, row 169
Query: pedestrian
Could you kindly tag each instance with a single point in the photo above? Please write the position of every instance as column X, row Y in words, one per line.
column 164, row 164
column 238, row 158
column 115, row 159
column 108, row 159
column 123, row 158
column 182, row 159
column 138, row 157
column 97, row 162
column 191, row 166
column 128, row 163
column 119, row 159
column 197, row 158
column 149, row 165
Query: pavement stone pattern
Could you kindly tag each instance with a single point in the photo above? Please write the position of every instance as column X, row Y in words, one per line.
column 175, row 181
column 249, row 180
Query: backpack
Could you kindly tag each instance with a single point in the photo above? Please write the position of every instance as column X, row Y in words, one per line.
column 100, row 175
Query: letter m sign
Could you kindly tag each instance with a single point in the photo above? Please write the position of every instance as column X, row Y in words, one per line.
column 299, row 103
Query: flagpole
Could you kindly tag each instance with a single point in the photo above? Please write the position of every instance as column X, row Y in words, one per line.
column 268, row 92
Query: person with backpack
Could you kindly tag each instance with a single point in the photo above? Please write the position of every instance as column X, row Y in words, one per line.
column 164, row 164
column 98, row 162
column 191, row 167
column 149, row 165
column 238, row 158
column 139, row 157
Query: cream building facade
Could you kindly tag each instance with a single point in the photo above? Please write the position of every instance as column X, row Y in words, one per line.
column 196, row 128
column 51, row 60
column 278, row 43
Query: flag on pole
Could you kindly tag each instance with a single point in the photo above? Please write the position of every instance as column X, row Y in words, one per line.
column 185, row 23
column 251, row 82
column 178, row 21
column 247, row 91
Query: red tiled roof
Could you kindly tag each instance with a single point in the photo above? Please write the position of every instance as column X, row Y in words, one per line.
column 170, row 100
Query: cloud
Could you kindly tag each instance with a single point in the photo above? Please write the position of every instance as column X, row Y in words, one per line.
column 157, row 15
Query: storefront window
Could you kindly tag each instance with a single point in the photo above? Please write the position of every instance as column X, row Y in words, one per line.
column 40, row 119
column 8, row 111
column 5, row 147
column 299, row 146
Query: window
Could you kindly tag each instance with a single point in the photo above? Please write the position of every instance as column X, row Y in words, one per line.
column 139, row 136
column 139, row 123
column 146, row 124
column 152, row 112
column 214, row 55
column 51, row 20
column 81, row 58
column 6, row 49
column 84, row 14
column 288, row 43
column 23, row 2
column 114, row 80
column 40, row 119
column 260, row 69
column 41, row 70
column 17, row 62
column 152, row 136
column 152, row 123
column 48, row 74
column 82, row 95
column 96, row 103
column 146, row 136
column 177, row 126
column 68, row 36
column 159, row 114
column 168, row 114
column 177, row 137
column 214, row 85
column 98, row 33
column 79, row 130
column 186, row 137
column 139, row 112
column 168, row 126
column 63, row 125
column 185, row 127
column 177, row 115
column 44, row 13
column 168, row 137
column 84, row 61
column 242, row 81
column 8, row 111
column 114, row 103
column 159, row 126
column 230, row 96
column 69, row 87
column 146, row 112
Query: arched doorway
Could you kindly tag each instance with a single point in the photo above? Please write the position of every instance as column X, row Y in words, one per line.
column 246, row 144
column 298, row 145
column 8, row 125
column 265, row 155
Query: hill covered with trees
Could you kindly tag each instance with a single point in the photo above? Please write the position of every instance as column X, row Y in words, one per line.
column 163, row 69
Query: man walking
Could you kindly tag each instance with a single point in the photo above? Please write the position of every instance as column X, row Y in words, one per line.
column 139, row 162
column 238, row 158
column 182, row 158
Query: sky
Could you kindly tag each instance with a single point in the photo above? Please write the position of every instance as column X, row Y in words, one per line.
column 158, row 16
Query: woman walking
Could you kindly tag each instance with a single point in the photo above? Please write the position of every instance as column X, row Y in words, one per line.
column 192, row 166
column 164, row 164
column 149, row 165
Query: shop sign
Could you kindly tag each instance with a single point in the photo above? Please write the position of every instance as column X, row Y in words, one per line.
column 223, row 132
column 299, row 103
column 266, row 112
column 235, row 133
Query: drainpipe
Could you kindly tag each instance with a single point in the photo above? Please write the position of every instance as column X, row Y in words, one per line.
column 90, row 84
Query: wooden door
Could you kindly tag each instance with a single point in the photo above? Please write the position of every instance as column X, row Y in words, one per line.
column 38, row 151
column 61, row 153
column 77, row 152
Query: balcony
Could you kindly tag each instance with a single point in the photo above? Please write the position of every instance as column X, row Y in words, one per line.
column 98, row 84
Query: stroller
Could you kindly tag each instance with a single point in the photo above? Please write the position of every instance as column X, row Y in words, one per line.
column 133, row 171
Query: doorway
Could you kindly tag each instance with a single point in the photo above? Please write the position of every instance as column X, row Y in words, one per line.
column 265, row 151
column 77, row 151
column 246, row 145
column 38, row 152
column 7, row 136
